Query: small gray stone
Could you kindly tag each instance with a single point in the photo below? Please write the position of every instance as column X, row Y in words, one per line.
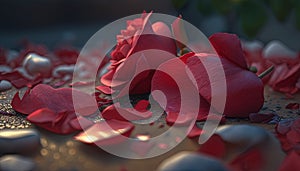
column 19, row 141
column 4, row 68
column 192, row 162
column 35, row 64
column 276, row 49
column 5, row 85
column 16, row 162
column 63, row 70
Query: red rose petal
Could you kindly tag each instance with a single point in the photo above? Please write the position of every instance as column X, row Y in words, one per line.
column 173, row 118
column 291, row 162
column 54, row 122
column 57, row 100
column 118, row 113
column 81, row 123
column 195, row 132
column 261, row 118
column 242, row 97
column 284, row 126
column 215, row 146
column 293, row 106
column 251, row 160
column 142, row 105
column 288, row 83
column 106, row 133
column 293, row 136
column 16, row 79
column 229, row 46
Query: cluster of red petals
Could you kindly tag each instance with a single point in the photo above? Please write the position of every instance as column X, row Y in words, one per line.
column 288, row 132
column 244, row 88
column 17, row 74
column 286, row 74
column 53, row 109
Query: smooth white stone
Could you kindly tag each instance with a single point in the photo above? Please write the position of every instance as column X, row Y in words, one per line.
column 63, row 70
column 19, row 141
column 35, row 64
column 11, row 55
column 16, row 162
column 5, row 85
column 276, row 49
column 4, row 68
column 252, row 46
column 191, row 161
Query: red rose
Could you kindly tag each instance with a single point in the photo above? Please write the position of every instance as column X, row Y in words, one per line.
column 139, row 35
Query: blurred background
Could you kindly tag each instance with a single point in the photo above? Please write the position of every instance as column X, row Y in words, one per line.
column 52, row 22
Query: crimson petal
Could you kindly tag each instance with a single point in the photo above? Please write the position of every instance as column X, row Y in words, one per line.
column 229, row 46
column 106, row 133
column 118, row 113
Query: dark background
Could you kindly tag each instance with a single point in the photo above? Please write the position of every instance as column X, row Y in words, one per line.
column 51, row 22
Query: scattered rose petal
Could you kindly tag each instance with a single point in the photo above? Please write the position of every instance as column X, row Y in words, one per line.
column 106, row 133
column 176, row 119
column 252, row 160
column 195, row 132
column 55, row 122
column 215, row 146
column 57, row 100
column 261, row 117
column 293, row 106
column 81, row 123
column 291, row 162
column 142, row 105
column 245, row 147
column 124, row 114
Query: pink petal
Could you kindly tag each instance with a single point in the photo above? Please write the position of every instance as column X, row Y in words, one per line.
column 54, row 122
column 173, row 118
column 229, row 46
column 57, row 100
column 142, row 105
column 81, row 123
column 291, row 162
column 118, row 113
column 106, row 133
column 251, row 160
column 215, row 146
column 195, row 132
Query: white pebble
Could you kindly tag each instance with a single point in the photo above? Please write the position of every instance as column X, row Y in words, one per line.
column 35, row 64
column 252, row 46
column 16, row 162
column 4, row 69
column 63, row 70
column 19, row 141
column 5, row 85
column 276, row 49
